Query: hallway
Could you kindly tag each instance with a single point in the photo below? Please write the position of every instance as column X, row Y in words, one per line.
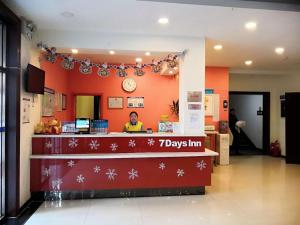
column 253, row 190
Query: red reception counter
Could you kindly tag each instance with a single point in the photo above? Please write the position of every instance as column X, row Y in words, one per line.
column 119, row 161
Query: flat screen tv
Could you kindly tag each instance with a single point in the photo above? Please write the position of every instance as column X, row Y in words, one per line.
column 34, row 80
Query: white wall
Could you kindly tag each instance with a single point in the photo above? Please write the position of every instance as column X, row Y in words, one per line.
column 276, row 85
column 29, row 54
column 192, row 66
column 246, row 107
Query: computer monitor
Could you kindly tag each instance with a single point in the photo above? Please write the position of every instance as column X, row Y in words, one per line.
column 82, row 124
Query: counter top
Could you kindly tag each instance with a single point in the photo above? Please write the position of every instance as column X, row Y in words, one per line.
column 211, row 132
column 207, row 152
column 119, row 134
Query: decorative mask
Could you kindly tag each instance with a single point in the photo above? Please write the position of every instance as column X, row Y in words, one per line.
column 51, row 55
column 138, row 70
column 172, row 62
column 85, row 67
column 121, row 71
column 103, row 70
column 68, row 63
column 156, row 66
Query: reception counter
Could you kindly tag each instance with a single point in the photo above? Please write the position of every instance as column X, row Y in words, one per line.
column 116, row 163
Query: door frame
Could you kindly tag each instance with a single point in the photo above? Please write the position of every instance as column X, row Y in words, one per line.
column 12, row 108
column 88, row 94
column 266, row 116
column 290, row 155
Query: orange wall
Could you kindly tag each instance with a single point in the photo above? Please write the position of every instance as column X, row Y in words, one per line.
column 57, row 79
column 158, row 92
column 217, row 78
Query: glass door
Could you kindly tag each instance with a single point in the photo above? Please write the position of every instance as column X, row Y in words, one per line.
column 2, row 116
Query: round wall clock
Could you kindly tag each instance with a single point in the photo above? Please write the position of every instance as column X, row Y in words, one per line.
column 129, row 85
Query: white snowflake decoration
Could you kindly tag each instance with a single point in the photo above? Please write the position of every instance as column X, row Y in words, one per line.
column 111, row 173
column 48, row 144
column 97, row 169
column 56, row 183
column 162, row 166
column 73, row 143
column 71, row 163
column 180, row 173
column 133, row 174
column 94, row 144
column 151, row 141
column 131, row 143
column 46, row 172
column 80, row 178
column 114, row 146
column 201, row 165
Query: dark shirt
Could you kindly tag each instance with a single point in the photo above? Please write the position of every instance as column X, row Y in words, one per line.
column 232, row 121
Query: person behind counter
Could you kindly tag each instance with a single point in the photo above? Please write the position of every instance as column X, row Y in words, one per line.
column 133, row 124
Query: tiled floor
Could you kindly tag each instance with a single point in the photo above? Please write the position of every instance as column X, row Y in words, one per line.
column 253, row 190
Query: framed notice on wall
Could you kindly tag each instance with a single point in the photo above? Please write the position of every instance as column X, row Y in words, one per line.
column 58, row 98
column 135, row 102
column 48, row 102
column 64, row 102
column 115, row 102
column 26, row 110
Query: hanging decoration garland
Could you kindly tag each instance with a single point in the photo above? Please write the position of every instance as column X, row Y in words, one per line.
column 172, row 62
column 156, row 66
column 138, row 70
column 51, row 55
column 103, row 70
column 86, row 65
column 121, row 70
column 68, row 63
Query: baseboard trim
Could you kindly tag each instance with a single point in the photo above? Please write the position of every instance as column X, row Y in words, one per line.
column 25, row 212
column 92, row 194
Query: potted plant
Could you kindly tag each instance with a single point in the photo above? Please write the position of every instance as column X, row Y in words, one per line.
column 175, row 107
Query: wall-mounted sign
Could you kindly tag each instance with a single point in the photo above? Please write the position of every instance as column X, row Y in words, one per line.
column 115, row 102
column 48, row 102
column 194, row 96
column 194, row 106
column 26, row 110
column 135, row 102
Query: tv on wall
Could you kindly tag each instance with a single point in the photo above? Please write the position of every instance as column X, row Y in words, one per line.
column 34, row 80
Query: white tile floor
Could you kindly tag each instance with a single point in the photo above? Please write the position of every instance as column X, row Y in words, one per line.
column 253, row 190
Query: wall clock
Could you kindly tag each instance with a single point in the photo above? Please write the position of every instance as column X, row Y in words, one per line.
column 129, row 85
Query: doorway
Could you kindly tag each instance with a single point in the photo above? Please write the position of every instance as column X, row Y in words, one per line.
column 254, row 109
column 292, row 124
column 2, row 118
column 88, row 106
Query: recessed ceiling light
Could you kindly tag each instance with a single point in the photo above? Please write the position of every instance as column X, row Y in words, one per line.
column 148, row 53
column 163, row 20
column 279, row 50
column 74, row 50
column 67, row 14
column 250, row 26
column 218, row 47
column 138, row 60
column 112, row 52
column 248, row 62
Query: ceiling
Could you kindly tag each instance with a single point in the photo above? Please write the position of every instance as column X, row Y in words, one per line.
column 218, row 24
column 287, row 5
